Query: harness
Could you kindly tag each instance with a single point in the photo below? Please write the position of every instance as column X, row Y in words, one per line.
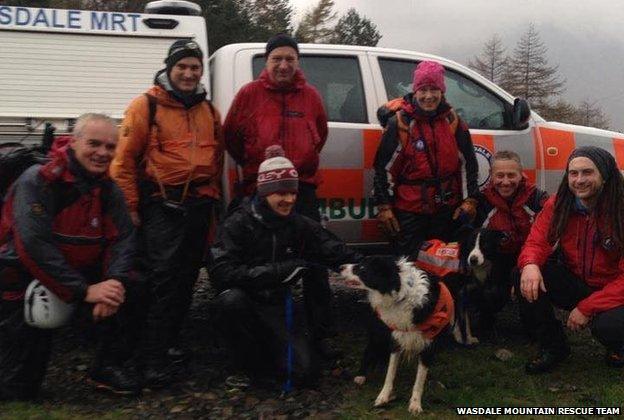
column 442, row 315
column 439, row 258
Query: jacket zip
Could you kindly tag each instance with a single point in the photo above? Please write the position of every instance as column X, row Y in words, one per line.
column 283, row 123
column 585, row 248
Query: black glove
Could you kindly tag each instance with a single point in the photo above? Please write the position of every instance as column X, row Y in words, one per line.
column 290, row 271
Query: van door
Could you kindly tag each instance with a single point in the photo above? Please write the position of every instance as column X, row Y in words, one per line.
column 484, row 107
column 344, row 81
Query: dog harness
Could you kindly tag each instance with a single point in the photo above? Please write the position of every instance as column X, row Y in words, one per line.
column 442, row 315
column 438, row 258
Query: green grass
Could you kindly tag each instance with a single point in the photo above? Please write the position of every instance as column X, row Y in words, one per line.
column 474, row 377
column 26, row 411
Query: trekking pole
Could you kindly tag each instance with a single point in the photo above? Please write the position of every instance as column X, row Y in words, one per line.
column 288, row 306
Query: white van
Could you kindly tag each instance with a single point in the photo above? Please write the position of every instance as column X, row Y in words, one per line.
column 74, row 63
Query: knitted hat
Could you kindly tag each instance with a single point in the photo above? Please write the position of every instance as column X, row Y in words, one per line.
column 180, row 49
column 281, row 40
column 429, row 73
column 276, row 173
column 604, row 161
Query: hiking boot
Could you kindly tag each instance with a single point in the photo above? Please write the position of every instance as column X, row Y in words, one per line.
column 177, row 355
column 615, row 358
column 237, row 381
column 326, row 351
column 546, row 360
column 117, row 380
column 157, row 377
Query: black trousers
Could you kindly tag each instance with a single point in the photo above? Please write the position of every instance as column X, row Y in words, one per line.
column 25, row 351
column 565, row 290
column 318, row 293
column 416, row 228
column 257, row 337
column 173, row 249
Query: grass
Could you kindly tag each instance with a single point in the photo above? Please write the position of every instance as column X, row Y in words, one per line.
column 26, row 411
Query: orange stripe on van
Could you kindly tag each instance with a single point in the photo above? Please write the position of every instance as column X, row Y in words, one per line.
column 558, row 145
column 370, row 141
column 483, row 140
column 618, row 147
column 346, row 183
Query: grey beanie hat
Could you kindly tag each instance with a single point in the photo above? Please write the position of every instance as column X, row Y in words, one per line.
column 604, row 161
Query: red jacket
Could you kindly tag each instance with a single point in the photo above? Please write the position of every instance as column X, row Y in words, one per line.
column 264, row 114
column 514, row 218
column 65, row 228
column 435, row 167
column 585, row 255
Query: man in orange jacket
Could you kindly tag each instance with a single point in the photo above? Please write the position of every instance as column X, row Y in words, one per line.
column 168, row 164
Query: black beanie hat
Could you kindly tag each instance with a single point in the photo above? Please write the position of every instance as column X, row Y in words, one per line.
column 180, row 49
column 281, row 40
column 604, row 161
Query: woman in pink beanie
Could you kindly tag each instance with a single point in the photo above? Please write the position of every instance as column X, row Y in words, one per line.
column 425, row 167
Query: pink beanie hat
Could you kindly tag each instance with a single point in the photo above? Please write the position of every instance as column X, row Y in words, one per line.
column 276, row 173
column 429, row 73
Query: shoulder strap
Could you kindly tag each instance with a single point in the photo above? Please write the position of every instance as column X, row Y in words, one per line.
column 453, row 120
column 402, row 129
column 152, row 106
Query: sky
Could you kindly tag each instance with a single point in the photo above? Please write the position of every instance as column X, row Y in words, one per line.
column 585, row 38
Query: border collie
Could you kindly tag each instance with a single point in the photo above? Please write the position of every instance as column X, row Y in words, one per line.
column 478, row 249
column 412, row 310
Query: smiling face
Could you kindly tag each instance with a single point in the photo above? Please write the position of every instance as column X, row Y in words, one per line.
column 428, row 98
column 282, row 64
column 94, row 145
column 282, row 203
column 584, row 180
column 186, row 74
column 506, row 176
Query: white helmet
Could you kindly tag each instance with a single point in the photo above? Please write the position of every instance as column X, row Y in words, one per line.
column 43, row 309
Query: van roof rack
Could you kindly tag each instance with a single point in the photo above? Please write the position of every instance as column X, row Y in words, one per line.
column 173, row 7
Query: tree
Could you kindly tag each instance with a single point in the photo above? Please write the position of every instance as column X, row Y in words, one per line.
column 270, row 17
column 562, row 111
column 492, row 61
column 528, row 74
column 352, row 29
column 590, row 114
column 227, row 21
column 314, row 25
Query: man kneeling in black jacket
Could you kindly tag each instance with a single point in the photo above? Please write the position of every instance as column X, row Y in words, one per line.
column 263, row 249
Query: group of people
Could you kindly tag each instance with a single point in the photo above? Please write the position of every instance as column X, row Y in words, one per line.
column 117, row 224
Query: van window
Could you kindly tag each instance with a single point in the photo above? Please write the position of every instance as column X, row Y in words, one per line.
column 339, row 82
column 478, row 107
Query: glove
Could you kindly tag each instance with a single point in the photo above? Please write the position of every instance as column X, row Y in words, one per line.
column 291, row 271
column 467, row 209
column 388, row 222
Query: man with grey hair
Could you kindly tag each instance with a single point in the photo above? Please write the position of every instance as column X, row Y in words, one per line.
column 66, row 245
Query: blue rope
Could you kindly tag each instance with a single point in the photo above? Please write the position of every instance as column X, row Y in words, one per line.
column 288, row 385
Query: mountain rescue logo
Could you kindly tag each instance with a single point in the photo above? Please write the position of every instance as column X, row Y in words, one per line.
column 484, row 159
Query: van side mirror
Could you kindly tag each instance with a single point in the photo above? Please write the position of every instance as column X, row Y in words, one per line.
column 520, row 113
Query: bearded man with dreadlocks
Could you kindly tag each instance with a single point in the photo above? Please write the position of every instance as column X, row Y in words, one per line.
column 574, row 259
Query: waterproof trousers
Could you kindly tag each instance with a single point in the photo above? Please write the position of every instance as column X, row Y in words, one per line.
column 416, row 228
column 565, row 290
column 257, row 336
column 173, row 246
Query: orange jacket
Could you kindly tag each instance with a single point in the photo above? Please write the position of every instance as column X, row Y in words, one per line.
column 182, row 146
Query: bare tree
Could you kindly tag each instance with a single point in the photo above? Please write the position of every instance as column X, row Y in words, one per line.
column 529, row 75
column 314, row 26
column 491, row 62
column 590, row 114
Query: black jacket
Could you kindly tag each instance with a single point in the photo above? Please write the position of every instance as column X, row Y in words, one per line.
column 255, row 245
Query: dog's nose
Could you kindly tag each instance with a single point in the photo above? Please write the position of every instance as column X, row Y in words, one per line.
column 473, row 260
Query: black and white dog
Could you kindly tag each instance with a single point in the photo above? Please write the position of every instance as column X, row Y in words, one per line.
column 404, row 298
column 478, row 249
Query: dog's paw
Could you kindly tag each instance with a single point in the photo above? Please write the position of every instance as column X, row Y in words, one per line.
column 384, row 398
column 472, row 341
column 359, row 380
column 415, row 408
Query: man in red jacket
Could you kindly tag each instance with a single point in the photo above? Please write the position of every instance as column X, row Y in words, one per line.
column 573, row 259
column 281, row 108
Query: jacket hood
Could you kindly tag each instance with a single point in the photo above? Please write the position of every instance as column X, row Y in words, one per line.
column 173, row 97
column 298, row 82
column 64, row 166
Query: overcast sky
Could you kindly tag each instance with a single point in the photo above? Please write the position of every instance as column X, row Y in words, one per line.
column 585, row 38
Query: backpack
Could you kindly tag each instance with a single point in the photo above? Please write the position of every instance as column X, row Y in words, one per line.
column 393, row 107
column 14, row 160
